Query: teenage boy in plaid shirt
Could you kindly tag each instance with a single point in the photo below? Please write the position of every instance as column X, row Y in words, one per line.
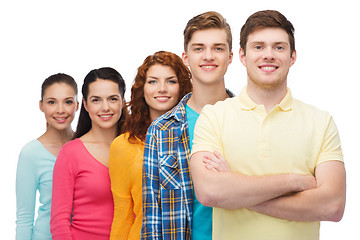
column 170, row 208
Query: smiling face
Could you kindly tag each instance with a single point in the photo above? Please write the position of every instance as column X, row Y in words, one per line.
column 208, row 56
column 104, row 104
column 59, row 104
column 161, row 90
column 268, row 58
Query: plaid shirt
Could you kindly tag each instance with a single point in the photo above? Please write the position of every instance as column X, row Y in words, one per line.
column 167, row 185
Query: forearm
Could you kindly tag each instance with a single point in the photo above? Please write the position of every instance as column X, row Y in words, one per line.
column 305, row 206
column 151, row 222
column 326, row 202
column 233, row 190
column 62, row 200
column 26, row 187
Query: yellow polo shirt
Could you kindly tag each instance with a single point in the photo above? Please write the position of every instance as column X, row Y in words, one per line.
column 293, row 137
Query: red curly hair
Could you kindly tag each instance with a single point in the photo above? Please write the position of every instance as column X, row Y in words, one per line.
column 139, row 120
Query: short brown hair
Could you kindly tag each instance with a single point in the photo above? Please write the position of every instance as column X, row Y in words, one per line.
column 206, row 21
column 266, row 19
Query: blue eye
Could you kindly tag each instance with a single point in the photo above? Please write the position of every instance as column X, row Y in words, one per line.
column 51, row 102
column 69, row 102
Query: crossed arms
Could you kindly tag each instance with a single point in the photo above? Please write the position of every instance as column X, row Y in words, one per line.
column 288, row 196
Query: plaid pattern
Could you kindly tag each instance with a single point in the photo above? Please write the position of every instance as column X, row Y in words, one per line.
column 167, row 186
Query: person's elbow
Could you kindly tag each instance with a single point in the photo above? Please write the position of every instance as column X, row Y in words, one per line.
column 206, row 196
column 335, row 211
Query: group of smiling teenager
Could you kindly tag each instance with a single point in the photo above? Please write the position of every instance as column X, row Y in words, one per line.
column 155, row 168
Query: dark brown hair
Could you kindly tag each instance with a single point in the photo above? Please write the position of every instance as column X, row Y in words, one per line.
column 266, row 19
column 58, row 78
column 106, row 73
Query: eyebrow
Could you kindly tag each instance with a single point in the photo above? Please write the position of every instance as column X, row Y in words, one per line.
column 262, row 42
column 202, row 44
column 114, row 95
column 154, row 77
column 52, row 98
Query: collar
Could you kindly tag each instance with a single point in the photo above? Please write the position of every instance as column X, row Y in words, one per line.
column 247, row 104
column 179, row 112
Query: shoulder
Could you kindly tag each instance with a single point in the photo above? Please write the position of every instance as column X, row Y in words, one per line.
column 71, row 149
column 32, row 150
column 221, row 107
column 311, row 111
column 30, row 153
column 31, row 147
column 173, row 118
column 119, row 140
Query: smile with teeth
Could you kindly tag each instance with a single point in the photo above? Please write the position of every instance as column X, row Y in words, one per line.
column 105, row 116
column 162, row 98
column 60, row 119
column 208, row 67
column 268, row 68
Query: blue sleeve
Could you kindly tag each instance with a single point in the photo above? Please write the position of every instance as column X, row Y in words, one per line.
column 26, row 187
column 151, row 225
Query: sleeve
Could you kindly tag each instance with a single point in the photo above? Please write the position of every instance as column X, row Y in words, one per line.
column 62, row 195
column 26, row 187
column 151, row 225
column 206, row 132
column 120, row 176
column 331, row 147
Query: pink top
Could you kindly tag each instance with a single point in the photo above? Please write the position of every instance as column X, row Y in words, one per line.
column 82, row 205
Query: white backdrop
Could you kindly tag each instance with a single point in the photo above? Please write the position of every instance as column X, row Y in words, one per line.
column 40, row 38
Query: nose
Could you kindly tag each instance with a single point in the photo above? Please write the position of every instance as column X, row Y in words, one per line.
column 162, row 87
column 60, row 109
column 105, row 106
column 268, row 54
column 208, row 54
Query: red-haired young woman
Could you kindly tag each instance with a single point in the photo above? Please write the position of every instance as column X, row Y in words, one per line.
column 161, row 81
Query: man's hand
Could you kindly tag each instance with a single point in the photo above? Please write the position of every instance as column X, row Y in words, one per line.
column 216, row 162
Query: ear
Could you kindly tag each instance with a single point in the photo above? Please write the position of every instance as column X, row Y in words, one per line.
column 41, row 106
column 185, row 58
column 77, row 106
column 293, row 58
column 242, row 56
column 85, row 105
column 231, row 56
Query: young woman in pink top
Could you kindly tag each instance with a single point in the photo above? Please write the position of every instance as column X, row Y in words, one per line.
column 82, row 203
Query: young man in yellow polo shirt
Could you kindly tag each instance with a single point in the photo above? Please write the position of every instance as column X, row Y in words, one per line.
column 267, row 137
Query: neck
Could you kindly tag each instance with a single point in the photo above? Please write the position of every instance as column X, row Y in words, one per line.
column 154, row 115
column 100, row 135
column 204, row 94
column 54, row 136
column 269, row 97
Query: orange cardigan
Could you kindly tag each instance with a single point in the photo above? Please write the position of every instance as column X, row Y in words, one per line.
column 125, row 169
